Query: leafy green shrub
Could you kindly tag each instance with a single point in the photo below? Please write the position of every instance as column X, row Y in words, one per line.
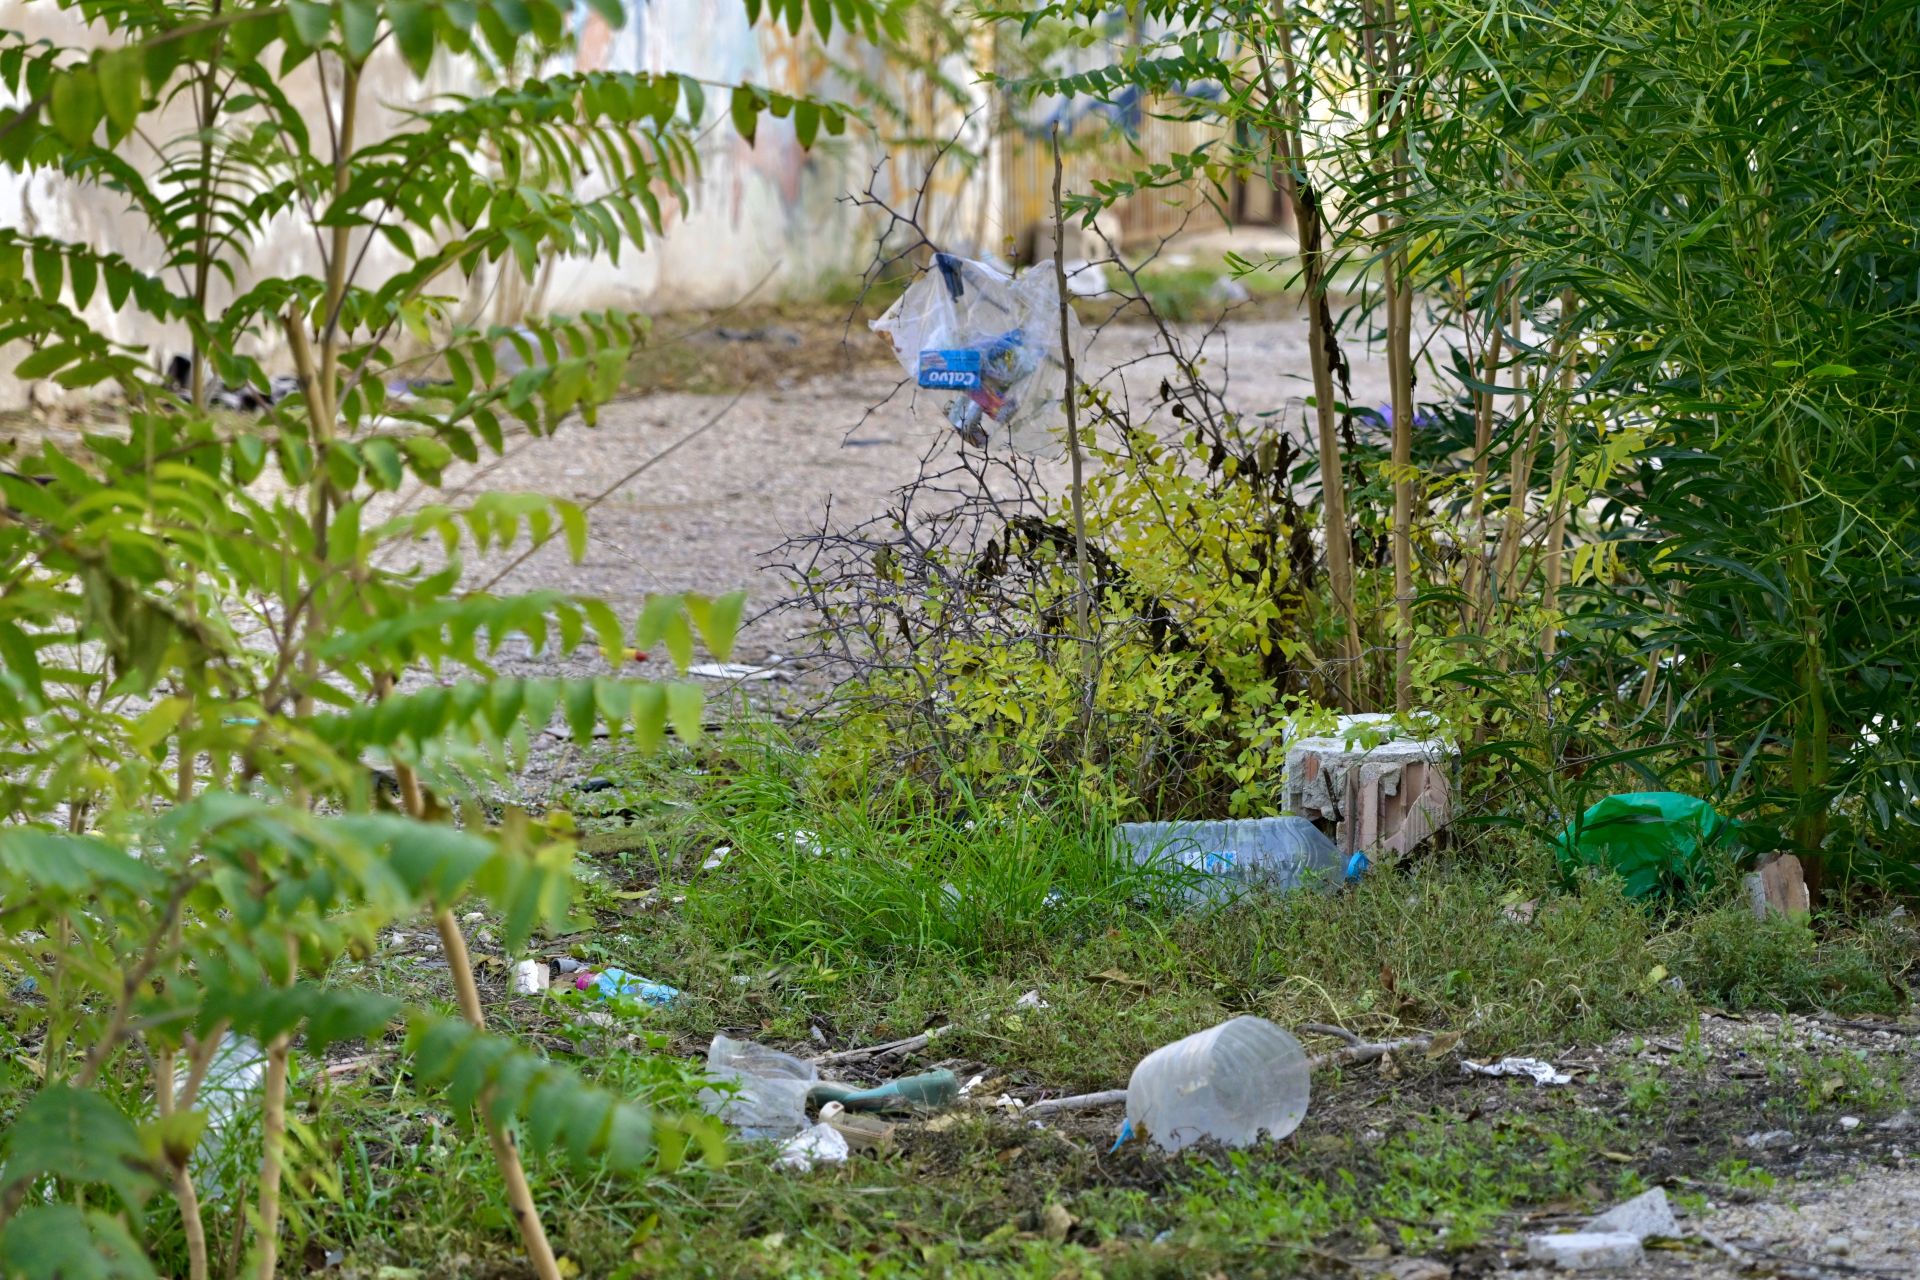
column 213, row 623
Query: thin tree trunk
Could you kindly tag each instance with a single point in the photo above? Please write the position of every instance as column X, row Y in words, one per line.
column 1290, row 169
column 506, row 1155
column 1478, row 585
column 1562, row 462
column 273, row 1137
column 1083, row 599
column 1399, row 299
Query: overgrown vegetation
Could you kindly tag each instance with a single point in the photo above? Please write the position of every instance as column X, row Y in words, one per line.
column 1636, row 515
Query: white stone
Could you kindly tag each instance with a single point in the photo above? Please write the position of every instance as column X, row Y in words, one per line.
column 1849, row 1122
column 1642, row 1217
column 1770, row 1139
column 1839, row 1244
column 1586, row 1250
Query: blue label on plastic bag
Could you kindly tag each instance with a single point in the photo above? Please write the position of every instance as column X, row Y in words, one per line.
column 957, row 370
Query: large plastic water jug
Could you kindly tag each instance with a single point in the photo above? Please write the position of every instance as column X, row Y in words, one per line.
column 1232, row 856
column 1229, row 1083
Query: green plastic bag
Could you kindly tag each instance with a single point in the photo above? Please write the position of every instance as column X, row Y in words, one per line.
column 1658, row 842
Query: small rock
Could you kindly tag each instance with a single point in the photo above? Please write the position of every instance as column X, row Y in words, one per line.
column 1642, row 1217
column 1769, row 1140
column 1419, row 1269
column 1055, row 1222
column 474, row 917
column 1897, row 1121
column 1849, row 1122
column 1839, row 1244
column 1586, row 1250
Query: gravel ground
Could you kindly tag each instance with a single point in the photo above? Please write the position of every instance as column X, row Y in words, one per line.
column 1846, row 1200
column 775, row 463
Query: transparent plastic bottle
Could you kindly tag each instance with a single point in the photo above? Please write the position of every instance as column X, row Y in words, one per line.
column 1229, row 1083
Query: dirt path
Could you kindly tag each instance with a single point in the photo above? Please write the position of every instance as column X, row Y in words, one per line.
column 773, row 463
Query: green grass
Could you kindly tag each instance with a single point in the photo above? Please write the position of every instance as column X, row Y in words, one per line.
column 892, row 915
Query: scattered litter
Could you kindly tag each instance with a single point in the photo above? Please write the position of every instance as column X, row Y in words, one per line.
column 1031, row 1000
column 531, row 977
column 1538, row 1071
column 736, row 671
column 1644, row 1217
column 717, row 857
column 592, row 785
column 966, row 1090
column 230, row 1097
column 1778, row 888
column 1520, row 912
column 741, row 980
column 862, row 1132
column 567, row 964
column 1385, row 789
column 969, row 328
column 769, row 1099
column 1769, row 1140
column 930, row 1091
column 804, row 841
column 1228, row 292
column 1085, row 279
column 1657, row 842
column 613, row 984
column 1586, row 1250
column 1229, row 1083
column 1282, row 853
column 815, row 1145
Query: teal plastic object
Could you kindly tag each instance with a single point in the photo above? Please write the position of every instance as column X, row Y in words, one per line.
column 932, row 1091
column 1658, row 842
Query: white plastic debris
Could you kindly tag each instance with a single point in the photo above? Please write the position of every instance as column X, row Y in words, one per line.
column 815, row 1145
column 735, row 671
column 230, row 1096
column 1586, row 1250
column 1533, row 1068
column 717, row 857
column 1645, row 1216
column 531, row 977
column 1031, row 1000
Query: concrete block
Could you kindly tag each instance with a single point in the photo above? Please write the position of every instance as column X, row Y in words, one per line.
column 1586, row 1250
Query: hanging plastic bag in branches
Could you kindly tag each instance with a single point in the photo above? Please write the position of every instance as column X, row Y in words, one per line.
column 994, row 341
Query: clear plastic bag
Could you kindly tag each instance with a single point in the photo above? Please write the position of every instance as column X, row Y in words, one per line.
column 994, row 341
column 770, row 1100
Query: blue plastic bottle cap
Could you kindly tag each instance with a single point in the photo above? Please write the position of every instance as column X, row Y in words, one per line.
column 1357, row 865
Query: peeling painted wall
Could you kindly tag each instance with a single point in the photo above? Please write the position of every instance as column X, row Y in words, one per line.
column 767, row 220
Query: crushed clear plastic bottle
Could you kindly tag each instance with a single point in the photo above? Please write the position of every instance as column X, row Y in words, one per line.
column 1228, row 1084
